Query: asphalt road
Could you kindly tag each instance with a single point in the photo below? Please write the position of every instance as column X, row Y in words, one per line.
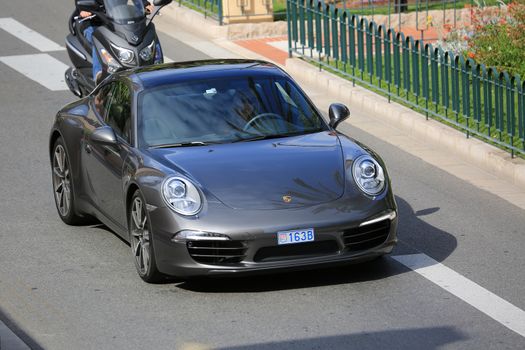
column 67, row 287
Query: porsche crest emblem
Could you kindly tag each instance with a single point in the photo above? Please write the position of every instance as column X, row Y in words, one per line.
column 287, row 199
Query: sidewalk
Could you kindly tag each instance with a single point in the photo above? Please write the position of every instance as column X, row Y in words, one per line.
column 273, row 49
column 471, row 160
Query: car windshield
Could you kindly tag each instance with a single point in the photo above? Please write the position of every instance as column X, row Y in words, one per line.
column 224, row 111
column 125, row 11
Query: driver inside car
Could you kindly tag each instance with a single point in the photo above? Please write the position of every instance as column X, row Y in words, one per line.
column 88, row 34
column 245, row 105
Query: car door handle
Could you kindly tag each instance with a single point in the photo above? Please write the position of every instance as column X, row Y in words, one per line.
column 88, row 148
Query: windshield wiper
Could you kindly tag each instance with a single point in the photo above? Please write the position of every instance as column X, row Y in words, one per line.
column 267, row 137
column 256, row 138
column 184, row 144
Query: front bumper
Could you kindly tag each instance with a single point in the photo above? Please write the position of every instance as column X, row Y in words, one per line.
column 253, row 247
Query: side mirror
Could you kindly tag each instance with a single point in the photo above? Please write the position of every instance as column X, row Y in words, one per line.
column 104, row 135
column 87, row 5
column 337, row 113
column 161, row 2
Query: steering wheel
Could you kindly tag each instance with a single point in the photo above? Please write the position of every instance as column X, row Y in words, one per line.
column 263, row 121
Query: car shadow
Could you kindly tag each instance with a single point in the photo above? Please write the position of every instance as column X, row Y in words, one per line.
column 8, row 340
column 428, row 338
column 100, row 226
column 373, row 270
column 415, row 236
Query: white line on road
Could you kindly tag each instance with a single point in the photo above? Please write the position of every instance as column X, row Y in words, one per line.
column 42, row 68
column 37, row 40
column 485, row 301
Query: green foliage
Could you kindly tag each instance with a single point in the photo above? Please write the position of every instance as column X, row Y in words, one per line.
column 279, row 10
column 498, row 39
column 279, row 6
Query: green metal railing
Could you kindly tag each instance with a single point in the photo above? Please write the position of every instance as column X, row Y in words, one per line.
column 476, row 99
column 210, row 8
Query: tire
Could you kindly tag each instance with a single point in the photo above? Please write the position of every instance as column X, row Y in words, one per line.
column 141, row 240
column 63, row 189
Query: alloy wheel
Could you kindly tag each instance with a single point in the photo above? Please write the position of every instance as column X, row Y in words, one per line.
column 61, row 181
column 140, row 236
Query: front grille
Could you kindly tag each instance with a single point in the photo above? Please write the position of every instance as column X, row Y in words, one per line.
column 216, row 252
column 296, row 251
column 366, row 237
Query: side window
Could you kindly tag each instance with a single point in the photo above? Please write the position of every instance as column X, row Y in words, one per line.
column 102, row 100
column 119, row 111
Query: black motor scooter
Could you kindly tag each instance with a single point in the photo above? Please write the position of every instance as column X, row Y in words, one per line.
column 125, row 38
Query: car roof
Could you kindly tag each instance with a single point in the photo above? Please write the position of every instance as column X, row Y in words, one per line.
column 152, row 76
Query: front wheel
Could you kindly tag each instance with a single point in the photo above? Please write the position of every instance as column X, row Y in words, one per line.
column 63, row 189
column 141, row 240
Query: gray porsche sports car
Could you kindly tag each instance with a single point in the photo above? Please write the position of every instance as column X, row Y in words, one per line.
column 219, row 167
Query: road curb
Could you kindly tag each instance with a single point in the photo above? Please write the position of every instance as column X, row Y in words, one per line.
column 208, row 27
column 195, row 21
column 479, row 153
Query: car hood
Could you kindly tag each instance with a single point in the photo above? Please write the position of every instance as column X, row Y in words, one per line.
column 270, row 174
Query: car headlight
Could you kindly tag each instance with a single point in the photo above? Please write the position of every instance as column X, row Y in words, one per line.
column 368, row 175
column 147, row 53
column 124, row 55
column 181, row 195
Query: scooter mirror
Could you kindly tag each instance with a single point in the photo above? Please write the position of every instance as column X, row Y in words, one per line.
column 87, row 5
column 161, row 2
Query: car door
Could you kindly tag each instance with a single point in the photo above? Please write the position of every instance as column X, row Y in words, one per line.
column 105, row 163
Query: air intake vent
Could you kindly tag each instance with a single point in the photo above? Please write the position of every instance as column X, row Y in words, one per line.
column 367, row 237
column 216, row 252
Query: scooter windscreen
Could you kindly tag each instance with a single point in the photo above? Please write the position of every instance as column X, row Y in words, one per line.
column 125, row 11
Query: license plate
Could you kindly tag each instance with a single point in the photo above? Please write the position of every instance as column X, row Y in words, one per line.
column 295, row 236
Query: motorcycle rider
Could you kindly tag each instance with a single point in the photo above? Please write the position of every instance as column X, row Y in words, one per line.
column 88, row 34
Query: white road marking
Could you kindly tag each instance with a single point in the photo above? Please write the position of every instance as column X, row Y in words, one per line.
column 485, row 301
column 42, row 68
column 37, row 40
column 168, row 60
